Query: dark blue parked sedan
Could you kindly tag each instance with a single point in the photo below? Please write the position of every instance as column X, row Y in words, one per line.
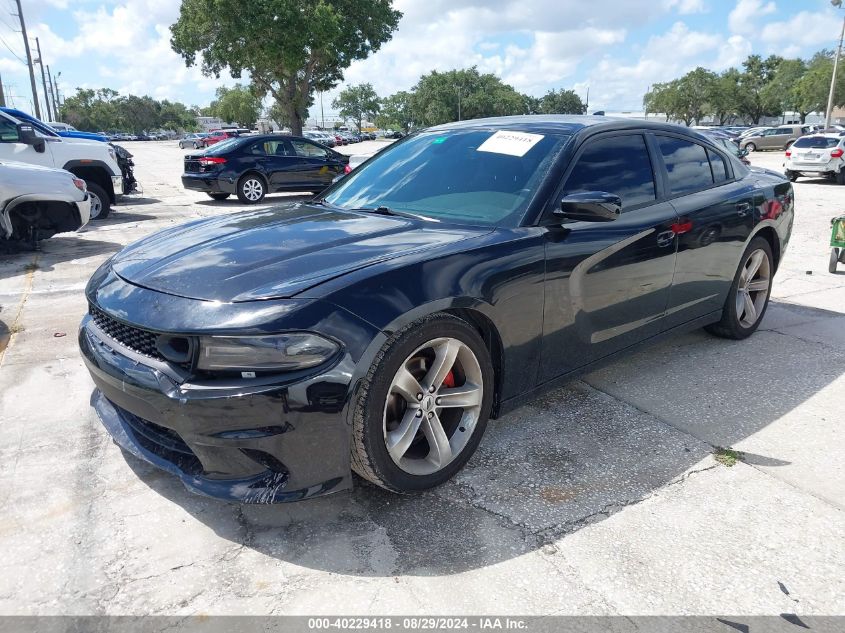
column 253, row 166
column 461, row 272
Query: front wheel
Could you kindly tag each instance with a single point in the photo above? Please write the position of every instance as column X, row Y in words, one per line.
column 751, row 147
column 423, row 406
column 100, row 202
column 748, row 297
column 834, row 260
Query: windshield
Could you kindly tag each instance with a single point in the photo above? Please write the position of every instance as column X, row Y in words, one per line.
column 468, row 176
column 817, row 142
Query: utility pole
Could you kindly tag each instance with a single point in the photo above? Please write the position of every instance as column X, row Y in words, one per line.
column 44, row 81
column 56, row 100
column 2, row 95
column 52, row 94
column 829, row 113
column 29, row 62
column 587, row 104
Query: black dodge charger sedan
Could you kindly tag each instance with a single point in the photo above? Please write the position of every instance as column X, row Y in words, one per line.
column 264, row 356
column 253, row 166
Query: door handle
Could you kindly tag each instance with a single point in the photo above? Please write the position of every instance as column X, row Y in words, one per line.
column 742, row 208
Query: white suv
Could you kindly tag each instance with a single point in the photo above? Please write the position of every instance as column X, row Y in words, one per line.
column 817, row 155
column 92, row 161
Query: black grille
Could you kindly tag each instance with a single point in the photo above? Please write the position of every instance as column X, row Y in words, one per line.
column 136, row 339
column 163, row 442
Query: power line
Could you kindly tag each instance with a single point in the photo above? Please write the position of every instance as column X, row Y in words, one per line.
column 11, row 51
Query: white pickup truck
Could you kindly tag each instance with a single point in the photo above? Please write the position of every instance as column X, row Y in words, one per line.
column 92, row 161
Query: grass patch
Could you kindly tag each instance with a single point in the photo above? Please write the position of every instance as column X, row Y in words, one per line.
column 727, row 456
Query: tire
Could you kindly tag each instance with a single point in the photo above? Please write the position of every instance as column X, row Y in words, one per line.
column 792, row 176
column 251, row 188
column 736, row 322
column 840, row 176
column 751, row 147
column 219, row 196
column 386, row 404
column 834, row 260
column 181, row 146
column 99, row 201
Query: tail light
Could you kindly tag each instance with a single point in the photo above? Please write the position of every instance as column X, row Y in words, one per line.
column 205, row 161
column 347, row 169
column 788, row 153
column 837, row 153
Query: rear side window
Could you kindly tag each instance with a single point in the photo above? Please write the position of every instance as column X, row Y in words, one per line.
column 686, row 163
column 717, row 164
column 618, row 165
column 816, row 142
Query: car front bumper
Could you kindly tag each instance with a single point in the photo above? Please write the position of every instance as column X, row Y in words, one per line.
column 207, row 183
column 84, row 208
column 117, row 183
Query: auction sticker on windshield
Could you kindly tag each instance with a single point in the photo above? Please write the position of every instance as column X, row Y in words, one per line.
column 511, row 143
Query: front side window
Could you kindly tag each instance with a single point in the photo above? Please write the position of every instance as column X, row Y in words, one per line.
column 8, row 131
column 686, row 163
column 308, row 150
column 618, row 165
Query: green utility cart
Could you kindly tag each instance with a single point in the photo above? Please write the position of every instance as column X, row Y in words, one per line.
column 837, row 242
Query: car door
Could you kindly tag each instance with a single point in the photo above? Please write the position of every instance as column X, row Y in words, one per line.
column 777, row 138
column 607, row 283
column 318, row 166
column 11, row 147
column 716, row 207
column 279, row 162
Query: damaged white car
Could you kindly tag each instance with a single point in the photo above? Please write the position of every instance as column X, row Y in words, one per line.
column 38, row 202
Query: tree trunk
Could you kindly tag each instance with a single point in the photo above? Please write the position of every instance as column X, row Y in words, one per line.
column 294, row 118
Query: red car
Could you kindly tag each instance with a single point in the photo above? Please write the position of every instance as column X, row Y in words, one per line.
column 216, row 136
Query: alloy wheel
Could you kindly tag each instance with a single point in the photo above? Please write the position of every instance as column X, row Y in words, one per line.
column 96, row 206
column 433, row 406
column 753, row 288
column 253, row 189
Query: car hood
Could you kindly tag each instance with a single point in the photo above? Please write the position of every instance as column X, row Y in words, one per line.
column 274, row 253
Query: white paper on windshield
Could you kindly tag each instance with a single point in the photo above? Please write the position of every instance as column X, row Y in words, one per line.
column 511, row 143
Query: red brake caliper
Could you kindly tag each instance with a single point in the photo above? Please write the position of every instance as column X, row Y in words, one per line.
column 449, row 380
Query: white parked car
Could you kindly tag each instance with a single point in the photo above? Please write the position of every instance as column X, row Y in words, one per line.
column 94, row 162
column 817, row 155
column 38, row 202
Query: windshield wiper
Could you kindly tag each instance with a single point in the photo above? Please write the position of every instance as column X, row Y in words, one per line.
column 382, row 210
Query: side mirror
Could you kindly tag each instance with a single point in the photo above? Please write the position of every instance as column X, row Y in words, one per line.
column 590, row 206
column 27, row 136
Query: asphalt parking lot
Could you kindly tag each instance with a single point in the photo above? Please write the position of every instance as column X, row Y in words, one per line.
column 603, row 497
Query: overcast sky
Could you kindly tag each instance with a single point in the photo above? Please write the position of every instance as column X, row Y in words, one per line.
column 616, row 47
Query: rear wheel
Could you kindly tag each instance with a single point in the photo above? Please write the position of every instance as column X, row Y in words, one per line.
column 751, row 147
column 748, row 297
column 251, row 189
column 840, row 176
column 834, row 260
column 218, row 196
column 100, row 203
column 424, row 405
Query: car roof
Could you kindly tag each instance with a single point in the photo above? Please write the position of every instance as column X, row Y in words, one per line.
column 837, row 135
column 569, row 124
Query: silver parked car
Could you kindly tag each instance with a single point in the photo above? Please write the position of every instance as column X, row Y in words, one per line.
column 37, row 202
column 780, row 137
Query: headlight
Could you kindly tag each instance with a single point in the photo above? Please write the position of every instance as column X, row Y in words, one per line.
column 280, row 352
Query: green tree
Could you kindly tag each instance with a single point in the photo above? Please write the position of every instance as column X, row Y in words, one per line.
column 725, row 98
column 238, row 104
column 813, row 88
column 440, row 97
column 783, row 88
column 662, row 98
column 561, row 102
column 358, row 103
column 755, row 101
column 396, row 111
column 290, row 48
column 105, row 109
